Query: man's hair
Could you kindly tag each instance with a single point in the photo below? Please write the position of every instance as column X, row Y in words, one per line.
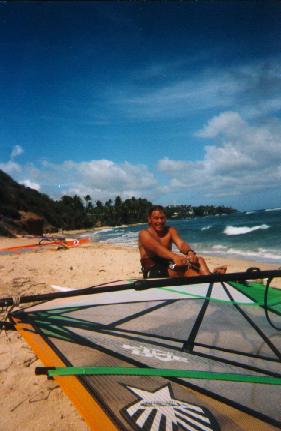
column 156, row 208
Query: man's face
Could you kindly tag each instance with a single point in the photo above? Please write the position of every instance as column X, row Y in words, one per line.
column 157, row 221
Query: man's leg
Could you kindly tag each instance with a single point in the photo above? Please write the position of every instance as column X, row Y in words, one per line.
column 191, row 272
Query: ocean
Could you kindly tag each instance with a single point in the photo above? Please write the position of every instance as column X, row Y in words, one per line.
column 251, row 235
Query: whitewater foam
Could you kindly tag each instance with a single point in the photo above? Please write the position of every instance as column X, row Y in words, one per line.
column 242, row 230
column 100, row 231
column 258, row 255
column 258, row 240
column 219, row 247
column 128, row 239
column 273, row 209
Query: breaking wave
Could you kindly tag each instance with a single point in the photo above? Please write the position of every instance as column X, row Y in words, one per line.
column 233, row 235
column 259, row 254
column 272, row 209
column 242, row 230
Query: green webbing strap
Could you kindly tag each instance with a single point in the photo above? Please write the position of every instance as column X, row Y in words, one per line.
column 164, row 372
column 256, row 292
column 196, row 296
column 257, row 301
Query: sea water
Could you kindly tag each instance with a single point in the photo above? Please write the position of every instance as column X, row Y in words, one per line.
column 251, row 235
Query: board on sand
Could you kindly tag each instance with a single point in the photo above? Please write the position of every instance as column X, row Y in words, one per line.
column 164, row 355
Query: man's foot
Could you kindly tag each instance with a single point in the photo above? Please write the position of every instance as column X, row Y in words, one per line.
column 220, row 270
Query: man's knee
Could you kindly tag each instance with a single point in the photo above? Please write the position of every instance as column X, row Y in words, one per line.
column 201, row 260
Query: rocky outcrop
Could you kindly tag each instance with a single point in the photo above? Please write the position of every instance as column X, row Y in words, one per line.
column 31, row 223
column 24, row 210
column 28, row 223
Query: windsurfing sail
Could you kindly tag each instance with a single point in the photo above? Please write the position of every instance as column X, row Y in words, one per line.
column 164, row 354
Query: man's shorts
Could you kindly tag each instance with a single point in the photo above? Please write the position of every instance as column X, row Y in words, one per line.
column 157, row 271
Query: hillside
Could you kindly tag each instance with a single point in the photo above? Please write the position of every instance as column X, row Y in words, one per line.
column 26, row 211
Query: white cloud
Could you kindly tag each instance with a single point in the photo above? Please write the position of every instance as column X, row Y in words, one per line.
column 243, row 158
column 169, row 165
column 31, row 184
column 16, row 151
column 226, row 123
column 177, row 99
column 101, row 179
column 253, row 89
column 10, row 167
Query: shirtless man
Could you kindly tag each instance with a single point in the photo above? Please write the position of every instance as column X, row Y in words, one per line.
column 157, row 257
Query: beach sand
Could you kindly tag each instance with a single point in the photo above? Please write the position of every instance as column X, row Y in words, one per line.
column 30, row 402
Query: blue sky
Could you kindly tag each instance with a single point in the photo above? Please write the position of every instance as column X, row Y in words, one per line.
column 176, row 102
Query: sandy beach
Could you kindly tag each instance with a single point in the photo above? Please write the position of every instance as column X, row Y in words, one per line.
column 30, row 402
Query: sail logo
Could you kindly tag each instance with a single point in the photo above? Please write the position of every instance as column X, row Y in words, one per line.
column 154, row 353
column 159, row 410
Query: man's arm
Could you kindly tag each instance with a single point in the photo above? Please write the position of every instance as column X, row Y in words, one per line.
column 183, row 246
column 152, row 246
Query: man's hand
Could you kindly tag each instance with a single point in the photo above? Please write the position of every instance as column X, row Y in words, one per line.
column 180, row 260
column 185, row 261
column 192, row 257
